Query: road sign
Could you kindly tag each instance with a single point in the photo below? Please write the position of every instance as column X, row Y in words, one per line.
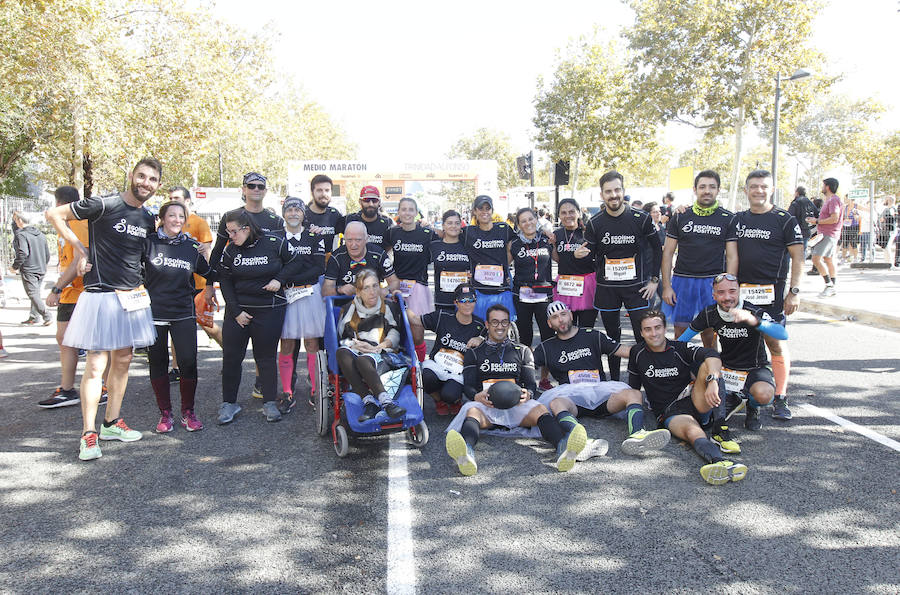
column 860, row 193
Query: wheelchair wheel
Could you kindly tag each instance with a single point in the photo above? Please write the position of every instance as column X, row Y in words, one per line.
column 418, row 434
column 342, row 442
column 514, row 333
column 324, row 394
column 420, row 388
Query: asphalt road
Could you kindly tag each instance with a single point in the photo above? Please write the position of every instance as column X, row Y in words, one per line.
column 270, row 508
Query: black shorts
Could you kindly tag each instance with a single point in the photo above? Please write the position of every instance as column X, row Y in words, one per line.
column 760, row 374
column 683, row 406
column 64, row 312
column 610, row 299
column 776, row 308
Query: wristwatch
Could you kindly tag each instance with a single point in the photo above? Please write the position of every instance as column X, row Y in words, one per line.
column 795, row 291
column 710, row 378
column 654, row 279
column 56, row 290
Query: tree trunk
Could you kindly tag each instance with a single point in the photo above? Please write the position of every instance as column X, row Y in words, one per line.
column 736, row 170
column 87, row 166
column 76, row 167
column 575, row 173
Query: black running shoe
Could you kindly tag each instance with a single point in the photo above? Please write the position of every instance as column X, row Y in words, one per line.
column 394, row 411
column 286, row 403
column 752, row 422
column 780, row 409
column 734, row 402
column 60, row 398
column 370, row 411
column 174, row 375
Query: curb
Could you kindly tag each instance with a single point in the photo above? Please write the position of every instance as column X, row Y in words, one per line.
column 883, row 321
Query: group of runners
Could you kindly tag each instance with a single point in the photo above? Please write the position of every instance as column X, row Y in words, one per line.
column 146, row 283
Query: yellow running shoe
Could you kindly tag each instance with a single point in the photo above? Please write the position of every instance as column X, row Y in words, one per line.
column 721, row 472
column 569, row 448
column 722, row 437
column 461, row 453
column 644, row 440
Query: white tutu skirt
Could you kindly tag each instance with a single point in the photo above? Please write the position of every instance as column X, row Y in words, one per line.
column 305, row 318
column 587, row 395
column 509, row 419
column 442, row 373
column 420, row 300
column 99, row 323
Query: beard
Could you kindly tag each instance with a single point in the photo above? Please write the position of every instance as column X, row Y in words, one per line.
column 136, row 192
column 370, row 212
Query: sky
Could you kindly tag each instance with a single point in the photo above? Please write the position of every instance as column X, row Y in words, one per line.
column 405, row 80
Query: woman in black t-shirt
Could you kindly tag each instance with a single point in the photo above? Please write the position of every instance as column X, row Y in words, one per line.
column 451, row 262
column 531, row 255
column 576, row 280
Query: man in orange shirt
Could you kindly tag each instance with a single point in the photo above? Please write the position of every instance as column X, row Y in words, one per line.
column 196, row 227
column 64, row 295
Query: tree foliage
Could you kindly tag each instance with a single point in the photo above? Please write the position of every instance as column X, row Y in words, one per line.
column 879, row 162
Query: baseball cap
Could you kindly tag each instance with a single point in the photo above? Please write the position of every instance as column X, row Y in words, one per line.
column 291, row 201
column 555, row 307
column 463, row 290
column 482, row 199
column 254, row 177
column 369, row 192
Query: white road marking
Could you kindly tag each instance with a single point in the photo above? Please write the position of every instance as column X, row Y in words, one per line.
column 879, row 438
column 401, row 566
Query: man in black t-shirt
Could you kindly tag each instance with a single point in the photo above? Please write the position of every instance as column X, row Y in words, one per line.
column 377, row 225
column 574, row 358
column 683, row 386
column 323, row 219
column 355, row 255
column 495, row 360
column 486, row 244
column 113, row 315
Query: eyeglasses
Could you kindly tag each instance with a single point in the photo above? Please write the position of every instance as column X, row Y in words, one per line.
column 232, row 232
column 256, row 186
column 496, row 323
column 724, row 277
column 370, row 200
column 466, row 300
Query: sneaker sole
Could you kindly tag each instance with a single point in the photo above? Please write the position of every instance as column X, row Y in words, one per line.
column 223, row 422
column 597, row 447
column 782, row 416
column 654, row 440
column 163, row 431
column 459, row 452
column 68, row 403
column 727, row 451
column 717, row 475
column 90, row 457
column 575, row 443
column 737, row 409
column 120, row 438
column 189, row 429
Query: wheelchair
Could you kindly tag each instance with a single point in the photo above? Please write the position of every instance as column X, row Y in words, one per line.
column 337, row 409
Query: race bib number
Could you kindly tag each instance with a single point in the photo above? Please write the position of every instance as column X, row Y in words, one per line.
column 582, row 376
column 529, row 296
column 620, row 269
column 450, row 279
column 759, row 295
column 489, row 274
column 450, row 360
column 570, row 285
column 734, row 380
column 135, row 299
column 486, row 384
column 292, row 294
column 406, row 287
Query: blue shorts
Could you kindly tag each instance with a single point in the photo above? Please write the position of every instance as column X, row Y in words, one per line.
column 486, row 300
column 692, row 296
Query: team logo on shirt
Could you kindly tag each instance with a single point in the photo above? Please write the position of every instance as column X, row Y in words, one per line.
column 728, row 332
column 488, row 244
column 532, row 252
column 373, row 239
column 444, row 257
column 405, row 247
column 797, row 230
column 487, row 366
column 132, row 230
column 164, row 261
column 660, row 372
column 704, row 229
column 610, row 239
column 299, row 249
column 565, row 357
column 348, row 277
column 752, row 233
column 448, row 341
column 250, row 260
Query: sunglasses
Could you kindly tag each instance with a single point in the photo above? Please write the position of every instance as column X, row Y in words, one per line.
column 371, row 200
column 466, row 300
column 256, row 186
column 232, row 232
column 724, row 277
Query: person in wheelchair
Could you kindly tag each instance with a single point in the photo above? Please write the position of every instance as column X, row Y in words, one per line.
column 369, row 336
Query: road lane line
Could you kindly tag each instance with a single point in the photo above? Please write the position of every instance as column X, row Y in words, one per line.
column 879, row 438
column 401, row 567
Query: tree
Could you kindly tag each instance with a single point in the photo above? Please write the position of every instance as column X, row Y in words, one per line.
column 484, row 143
column 879, row 162
column 713, row 64
column 589, row 109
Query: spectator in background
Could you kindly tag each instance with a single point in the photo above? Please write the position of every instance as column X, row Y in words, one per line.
column 638, row 204
column 655, row 215
column 864, row 219
column 32, row 256
column 887, row 223
column 801, row 208
column 829, row 228
column 665, row 211
column 850, row 231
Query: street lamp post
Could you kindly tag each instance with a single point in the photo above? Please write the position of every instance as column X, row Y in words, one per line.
column 799, row 74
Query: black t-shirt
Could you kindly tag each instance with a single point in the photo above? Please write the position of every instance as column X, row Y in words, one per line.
column 579, row 355
column 169, row 267
column 117, row 233
column 665, row 374
column 503, row 361
column 622, row 239
column 244, row 270
column 411, row 252
column 448, row 259
column 449, row 332
column 487, row 250
column 309, row 249
column 331, row 222
column 266, row 220
column 762, row 241
column 743, row 346
column 532, row 264
column 701, row 242
column 377, row 230
column 342, row 269
column 567, row 242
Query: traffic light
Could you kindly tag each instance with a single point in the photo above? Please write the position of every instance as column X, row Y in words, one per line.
column 523, row 165
column 561, row 175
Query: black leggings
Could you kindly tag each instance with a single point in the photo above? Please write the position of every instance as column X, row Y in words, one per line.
column 360, row 372
column 612, row 324
column 585, row 318
column 450, row 391
column 524, row 313
column 265, row 330
column 184, row 338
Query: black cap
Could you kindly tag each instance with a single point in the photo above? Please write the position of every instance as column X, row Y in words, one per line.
column 481, row 199
column 463, row 290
